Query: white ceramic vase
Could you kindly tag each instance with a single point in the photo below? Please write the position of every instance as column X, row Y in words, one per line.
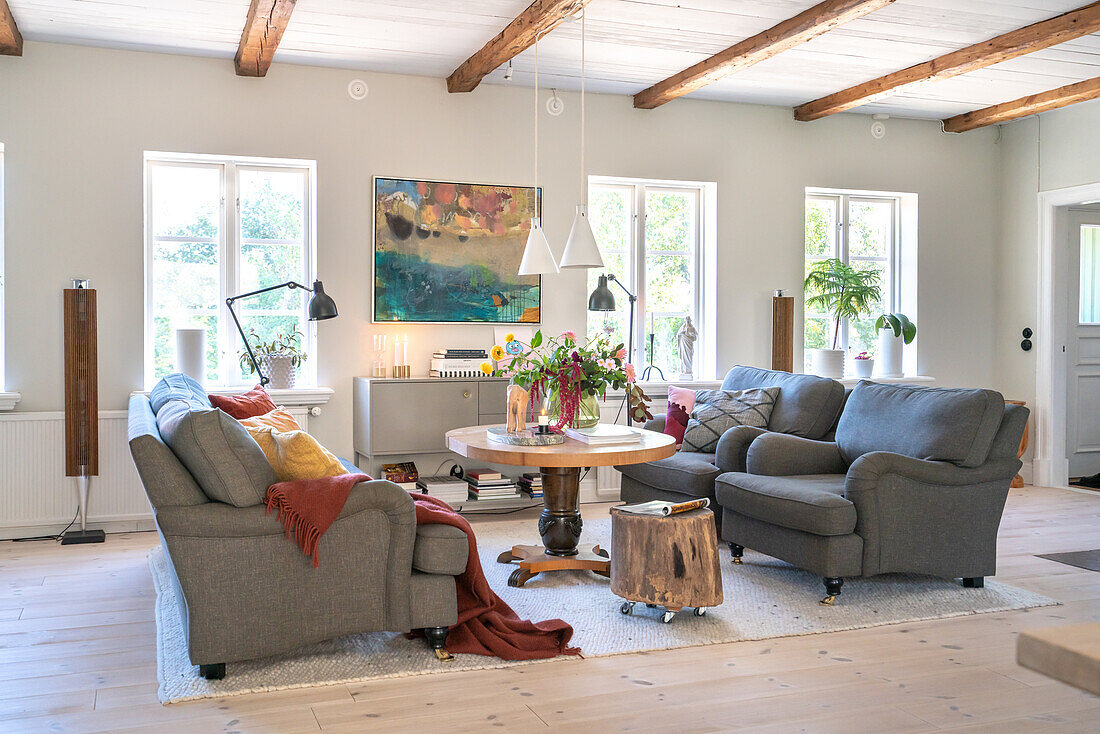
column 191, row 352
column 279, row 369
column 864, row 367
column 889, row 354
column 829, row 363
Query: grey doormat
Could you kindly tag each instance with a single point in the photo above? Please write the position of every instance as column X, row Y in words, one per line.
column 1089, row 559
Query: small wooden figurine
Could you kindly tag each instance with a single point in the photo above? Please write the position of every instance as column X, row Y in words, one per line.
column 518, row 398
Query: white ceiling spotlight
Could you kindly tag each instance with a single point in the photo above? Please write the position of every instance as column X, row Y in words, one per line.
column 357, row 89
column 555, row 105
column 878, row 127
column 508, row 72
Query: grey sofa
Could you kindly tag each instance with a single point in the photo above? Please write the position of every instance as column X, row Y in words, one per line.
column 247, row 590
column 915, row 481
column 807, row 406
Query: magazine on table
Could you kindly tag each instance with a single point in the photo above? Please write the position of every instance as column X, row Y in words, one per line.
column 660, row 508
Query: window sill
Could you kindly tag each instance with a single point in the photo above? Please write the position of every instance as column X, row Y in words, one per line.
column 297, row 397
column 8, row 400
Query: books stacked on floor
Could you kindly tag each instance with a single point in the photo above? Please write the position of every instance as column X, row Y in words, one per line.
column 604, row 434
column 458, row 362
column 404, row 475
column 451, row 490
column 530, row 485
column 486, row 484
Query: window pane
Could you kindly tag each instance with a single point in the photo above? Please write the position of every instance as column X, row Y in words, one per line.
column 164, row 344
column 861, row 332
column 820, row 228
column 665, row 352
column 610, row 215
column 185, row 293
column 610, row 322
column 267, row 328
column 670, row 220
column 609, row 212
column 272, row 204
column 271, row 264
column 668, row 284
column 870, row 229
column 1090, row 275
column 186, row 201
column 818, row 333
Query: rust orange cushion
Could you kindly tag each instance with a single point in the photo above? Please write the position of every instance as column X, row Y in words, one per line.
column 280, row 419
column 246, row 405
column 295, row 454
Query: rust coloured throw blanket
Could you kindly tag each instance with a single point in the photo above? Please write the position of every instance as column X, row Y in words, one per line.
column 486, row 624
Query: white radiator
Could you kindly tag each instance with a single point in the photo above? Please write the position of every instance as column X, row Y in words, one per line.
column 36, row 498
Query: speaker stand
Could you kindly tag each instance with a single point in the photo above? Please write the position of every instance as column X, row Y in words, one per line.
column 75, row 537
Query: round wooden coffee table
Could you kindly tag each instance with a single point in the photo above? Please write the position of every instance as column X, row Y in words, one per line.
column 560, row 466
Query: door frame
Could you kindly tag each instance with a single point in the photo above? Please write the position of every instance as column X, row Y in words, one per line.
column 1051, row 465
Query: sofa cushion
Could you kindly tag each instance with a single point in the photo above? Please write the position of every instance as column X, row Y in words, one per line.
column 440, row 549
column 937, row 424
column 295, row 454
column 681, row 401
column 807, row 405
column 250, row 404
column 218, row 452
column 717, row 411
column 167, row 483
column 812, row 503
column 178, row 386
column 685, row 472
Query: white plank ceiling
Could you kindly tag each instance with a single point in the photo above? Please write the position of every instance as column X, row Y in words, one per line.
column 631, row 43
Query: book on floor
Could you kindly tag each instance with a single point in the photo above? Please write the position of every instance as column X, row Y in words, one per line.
column 482, row 475
column 400, row 473
column 660, row 508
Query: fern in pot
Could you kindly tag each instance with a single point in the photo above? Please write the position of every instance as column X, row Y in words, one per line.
column 894, row 330
column 843, row 292
column 279, row 358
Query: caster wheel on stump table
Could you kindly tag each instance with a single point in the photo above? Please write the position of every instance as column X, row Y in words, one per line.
column 667, row 617
column 520, row 577
column 651, row 606
column 627, row 607
column 602, row 552
column 700, row 611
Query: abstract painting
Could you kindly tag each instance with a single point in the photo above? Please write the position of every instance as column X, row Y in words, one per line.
column 449, row 252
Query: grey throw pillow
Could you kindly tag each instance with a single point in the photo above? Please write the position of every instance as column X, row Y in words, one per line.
column 225, row 461
column 717, row 411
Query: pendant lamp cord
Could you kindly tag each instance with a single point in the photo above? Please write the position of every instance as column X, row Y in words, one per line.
column 536, row 116
column 584, row 183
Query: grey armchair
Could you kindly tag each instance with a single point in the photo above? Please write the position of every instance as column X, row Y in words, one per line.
column 915, row 481
column 807, row 405
column 250, row 592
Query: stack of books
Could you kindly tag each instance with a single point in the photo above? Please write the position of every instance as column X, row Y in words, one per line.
column 486, row 484
column 604, row 434
column 404, row 475
column 530, row 484
column 458, row 362
column 451, row 490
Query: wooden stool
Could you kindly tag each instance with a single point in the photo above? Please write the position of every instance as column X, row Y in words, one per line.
column 665, row 561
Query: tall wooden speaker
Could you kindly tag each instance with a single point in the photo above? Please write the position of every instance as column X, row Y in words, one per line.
column 81, row 402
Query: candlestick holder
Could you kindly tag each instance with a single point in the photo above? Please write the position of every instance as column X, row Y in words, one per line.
column 378, row 363
column 402, row 371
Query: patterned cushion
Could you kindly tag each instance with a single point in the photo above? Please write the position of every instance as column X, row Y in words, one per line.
column 717, row 411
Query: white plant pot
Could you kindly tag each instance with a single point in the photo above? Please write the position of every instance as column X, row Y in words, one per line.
column 829, row 363
column 889, row 354
column 863, row 367
column 279, row 369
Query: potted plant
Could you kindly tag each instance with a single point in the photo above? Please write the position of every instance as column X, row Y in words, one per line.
column 893, row 329
column 279, row 358
column 843, row 292
column 865, row 364
column 566, row 377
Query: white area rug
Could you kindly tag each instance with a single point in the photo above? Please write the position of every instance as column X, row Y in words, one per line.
column 763, row 598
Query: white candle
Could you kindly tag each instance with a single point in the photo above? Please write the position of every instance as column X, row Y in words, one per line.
column 544, row 420
column 396, row 353
column 405, row 350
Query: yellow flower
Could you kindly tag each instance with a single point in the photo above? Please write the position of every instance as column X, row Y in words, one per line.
column 509, row 337
column 497, row 352
column 486, row 368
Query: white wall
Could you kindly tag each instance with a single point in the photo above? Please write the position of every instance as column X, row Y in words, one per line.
column 76, row 120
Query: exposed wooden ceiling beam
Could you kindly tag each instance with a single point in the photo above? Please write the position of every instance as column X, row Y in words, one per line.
column 792, row 32
column 11, row 40
column 267, row 19
column 541, row 17
column 1035, row 37
column 1025, row 106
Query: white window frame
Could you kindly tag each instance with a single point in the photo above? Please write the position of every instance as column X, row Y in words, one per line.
column 230, row 245
column 702, row 268
column 3, row 334
column 841, row 201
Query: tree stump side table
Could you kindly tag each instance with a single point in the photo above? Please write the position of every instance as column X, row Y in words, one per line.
column 670, row 562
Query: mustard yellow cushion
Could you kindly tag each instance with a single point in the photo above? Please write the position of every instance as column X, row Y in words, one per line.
column 279, row 419
column 295, row 454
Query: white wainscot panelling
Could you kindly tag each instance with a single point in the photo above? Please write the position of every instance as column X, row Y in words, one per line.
column 1088, row 420
column 1088, row 350
column 37, row 497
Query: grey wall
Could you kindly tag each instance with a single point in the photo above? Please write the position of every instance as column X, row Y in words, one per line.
column 76, row 120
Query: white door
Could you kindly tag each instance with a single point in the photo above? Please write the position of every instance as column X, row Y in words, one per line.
column 1083, row 347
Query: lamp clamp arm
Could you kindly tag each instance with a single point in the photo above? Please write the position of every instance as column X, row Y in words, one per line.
column 633, row 298
column 289, row 284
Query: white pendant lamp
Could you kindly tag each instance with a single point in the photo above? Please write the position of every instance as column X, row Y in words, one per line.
column 581, row 250
column 538, row 259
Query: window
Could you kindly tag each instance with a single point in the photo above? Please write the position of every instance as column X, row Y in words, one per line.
column 863, row 231
column 199, row 251
column 1, row 267
column 1089, row 307
column 659, row 257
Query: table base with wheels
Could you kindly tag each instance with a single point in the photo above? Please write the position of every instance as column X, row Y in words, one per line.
column 560, row 527
column 627, row 608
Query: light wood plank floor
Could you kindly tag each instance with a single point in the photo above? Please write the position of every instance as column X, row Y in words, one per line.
column 77, row 654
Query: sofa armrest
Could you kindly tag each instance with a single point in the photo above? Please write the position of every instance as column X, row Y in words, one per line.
column 655, row 424
column 866, row 471
column 733, row 447
column 220, row 520
column 783, row 455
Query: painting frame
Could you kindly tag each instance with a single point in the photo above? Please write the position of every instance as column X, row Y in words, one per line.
column 374, row 249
